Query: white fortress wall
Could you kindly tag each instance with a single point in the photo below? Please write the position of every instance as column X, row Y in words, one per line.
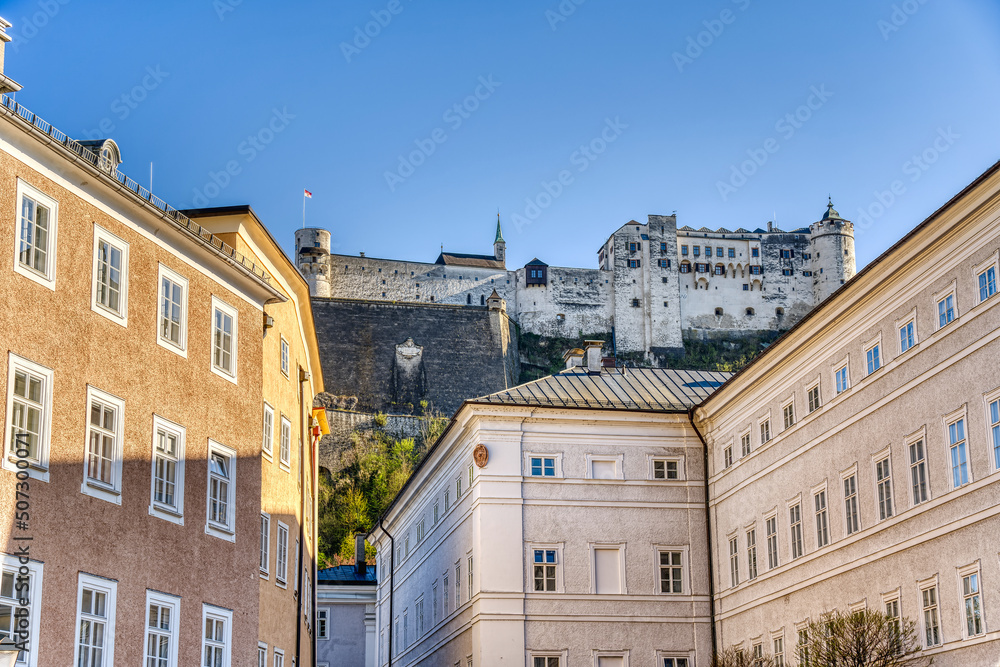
column 574, row 301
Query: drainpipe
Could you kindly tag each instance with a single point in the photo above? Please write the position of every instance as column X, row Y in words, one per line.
column 708, row 528
column 392, row 576
column 303, row 429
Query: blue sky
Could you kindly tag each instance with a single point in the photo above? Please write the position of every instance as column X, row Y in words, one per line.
column 639, row 107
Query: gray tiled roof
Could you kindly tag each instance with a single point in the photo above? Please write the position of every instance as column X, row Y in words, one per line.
column 657, row 389
column 346, row 574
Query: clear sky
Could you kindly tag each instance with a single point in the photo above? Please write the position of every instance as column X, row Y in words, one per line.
column 641, row 107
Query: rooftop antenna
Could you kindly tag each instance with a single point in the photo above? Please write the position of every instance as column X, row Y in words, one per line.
column 150, row 178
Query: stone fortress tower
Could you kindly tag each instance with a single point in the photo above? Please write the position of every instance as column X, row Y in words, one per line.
column 656, row 283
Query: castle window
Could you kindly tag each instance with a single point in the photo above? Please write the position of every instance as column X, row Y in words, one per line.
column 807, row 273
column 664, row 264
column 755, row 252
column 786, row 272
column 468, row 298
column 635, row 303
column 786, row 254
column 684, row 250
column 720, row 270
column 663, row 247
column 665, row 304
column 779, row 312
column 697, row 251
column 383, row 295
column 755, row 271
column 718, row 312
column 746, row 287
column 685, row 268
column 632, row 247
column 482, row 299
column 633, row 264
column 708, row 251
column 806, row 255
column 750, row 312
column 732, row 253
column 383, row 281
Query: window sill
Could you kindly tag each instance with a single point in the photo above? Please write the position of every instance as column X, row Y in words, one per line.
column 223, row 374
column 34, row 276
column 281, row 584
column 222, row 532
column 34, row 470
column 265, row 575
column 167, row 513
column 101, row 492
column 117, row 318
column 285, row 466
column 169, row 345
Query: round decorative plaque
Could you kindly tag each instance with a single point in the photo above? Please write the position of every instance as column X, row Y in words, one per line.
column 481, row 455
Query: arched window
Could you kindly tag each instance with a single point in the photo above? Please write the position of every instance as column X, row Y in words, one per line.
column 779, row 312
column 468, row 299
column 482, row 299
column 718, row 312
column 750, row 312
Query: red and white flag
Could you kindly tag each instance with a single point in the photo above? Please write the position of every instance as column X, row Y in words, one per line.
column 308, row 194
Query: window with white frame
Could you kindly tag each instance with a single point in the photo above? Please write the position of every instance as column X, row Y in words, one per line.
column 279, row 657
column 972, row 600
column 932, row 622
column 221, row 507
column 959, row 454
column 458, row 487
column 987, row 283
column 418, row 613
column 666, row 469
column 458, row 585
column 545, row 563
column 469, row 575
column 843, row 381
column 873, row 358
column 765, row 431
column 224, row 339
column 771, row 527
column 883, row 487
column 543, row 466
column 265, row 544
column 167, row 492
column 445, row 599
column 109, row 293
column 268, row 444
column 734, row 561
column 751, row 553
column 788, row 414
column 851, row 518
column 822, row 520
column 281, row 559
column 675, row 662
column 946, row 310
column 604, row 467
column 745, row 444
column 435, row 603
column 610, row 658
column 994, row 423
column 671, row 566
column 608, row 572
column 20, row 582
column 813, row 396
column 795, row 529
column 172, row 318
column 545, row 660
column 29, row 415
column 216, row 638
column 95, row 622
column 778, row 651
column 918, row 471
column 757, row 654
column 285, row 452
column 284, row 356
column 103, row 465
column 437, row 511
column 727, row 456
column 907, row 336
column 261, row 654
column 35, row 250
column 162, row 616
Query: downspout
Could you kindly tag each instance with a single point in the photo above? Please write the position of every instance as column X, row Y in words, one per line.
column 302, row 538
column 392, row 576
column 708, row 529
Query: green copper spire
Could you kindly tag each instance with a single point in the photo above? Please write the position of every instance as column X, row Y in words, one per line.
column 499, row 238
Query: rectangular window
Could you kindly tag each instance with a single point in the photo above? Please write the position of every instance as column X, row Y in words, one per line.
column 664, row 263
column 822, row 521
column 437, row 508
column 745, row 444
column 892, row 612
column 883, row 484
column 543, row 467
column 458, row 487
column 788, row 413
column 995, row 431
column 265, row 543
column 281, row 559
column 765, row 431
column 907, row 337
column 671, row 572
column 604, row 469
column 19, row 583
column 959, row 457
column 732, row 253
column 162, row 614
column 35, row 251
column 755, row 252
column 973, row 604
column 216, row 642
column 545, row 661
column 778, row 644
column 795, row 525
column 727, row 456
column 708, row 251
column 284, row 356
column 734, row 562
column 946, row 310
column 607, row 571
column 752, row 553
column 168, row 470
column 261, row 654
column 470, row 577
column 224, row 340
column 666, row 469
column 221, row 490
column 285, row 453
column 842, row 382
column 872, row 358
column 458, row 585
column 103, row 465
column 771, row 524
column 918, row 471
column 418, row 613
column 697, row 251
column 110, row 282
column 29, row 413
column 719, row 252
column 268, row 443
column 932, row 625
column 684, row 250
column 444, row 594
column 786, row 254
column 95, row 622
column 851, row 504
column 435, row 604
column 631, row 247
column 987, row 284
column 813, row 396
column 663, row 247
column 786, row 272
column 633, row 264
column 675, row 662
column 279, row 658
column 720, row 270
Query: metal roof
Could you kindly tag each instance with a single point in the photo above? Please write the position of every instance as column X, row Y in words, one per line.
column 342, row 575
column 658, row 389
column 464, row 259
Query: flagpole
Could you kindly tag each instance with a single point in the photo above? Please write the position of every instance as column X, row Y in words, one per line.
column 303, row 209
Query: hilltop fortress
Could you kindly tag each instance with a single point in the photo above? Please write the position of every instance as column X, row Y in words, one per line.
column 654, row 285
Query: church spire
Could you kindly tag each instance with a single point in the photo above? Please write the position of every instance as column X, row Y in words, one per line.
column 499, row 238
column 499, row 245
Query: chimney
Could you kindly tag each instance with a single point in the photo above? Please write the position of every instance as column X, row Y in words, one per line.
column 770, row 226
column 6, row 85
column 594, row 358
column 573, row 357
column 360, row 567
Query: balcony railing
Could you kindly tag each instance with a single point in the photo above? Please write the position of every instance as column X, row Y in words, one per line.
column 173, row 214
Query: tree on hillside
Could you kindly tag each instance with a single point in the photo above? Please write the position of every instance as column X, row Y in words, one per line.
column 864, row 638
